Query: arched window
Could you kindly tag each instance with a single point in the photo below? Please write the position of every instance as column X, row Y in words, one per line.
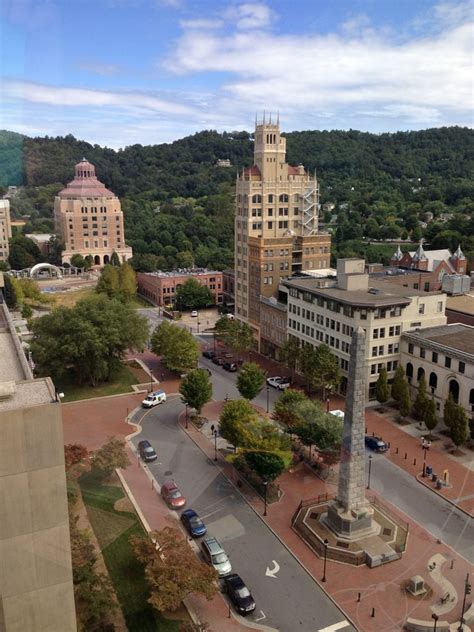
column 106, row 259
column 97, row 260
column 420, row 374
column 433, row 381
column 283, row 197
column 409, row 372
column 256, row 199
column 454, row 390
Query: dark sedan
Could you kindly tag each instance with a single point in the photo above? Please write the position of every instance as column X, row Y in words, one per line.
column 209, row 354
column 376, row 444
column 218, row 360
column 193, row 523
column 230, row 366
column 239, row 594
column 147, row 453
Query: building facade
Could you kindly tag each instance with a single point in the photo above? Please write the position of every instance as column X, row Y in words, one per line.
column 460, row 309
column 5, row 229
column 36, row 585
column 445, row 357
column 273, row 322
column 160, row 287
column 326, row 311
column 228, row 290
column 88, row 218
column 276, row 225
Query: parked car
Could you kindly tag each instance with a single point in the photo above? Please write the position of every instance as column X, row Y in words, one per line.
column 239, row 594
column 230, row 366
column 193, row 523
column 218, row 360
column 146, row 451
column 153, row 399
column 208, row 353
column 172, row 496
column 215, row 555
column 279, row 382
column 194, row 313
column 376, row 444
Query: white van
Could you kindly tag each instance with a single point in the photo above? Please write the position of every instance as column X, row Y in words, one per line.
column 153, row 399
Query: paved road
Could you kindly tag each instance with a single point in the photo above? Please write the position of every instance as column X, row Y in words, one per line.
column 289, row 602
column 432, row 512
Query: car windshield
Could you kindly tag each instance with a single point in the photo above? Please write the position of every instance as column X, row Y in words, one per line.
column 174, row 493
column 195, row 522
column 149, row 449
column 242, row 592
column 380, row 444
column 220, row 558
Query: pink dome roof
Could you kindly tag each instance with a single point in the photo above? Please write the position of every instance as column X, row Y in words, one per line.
column 85, row 183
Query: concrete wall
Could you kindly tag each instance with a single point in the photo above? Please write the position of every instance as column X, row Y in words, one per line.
column 36, row 590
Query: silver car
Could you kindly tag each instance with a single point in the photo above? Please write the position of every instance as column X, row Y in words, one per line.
column 215, row 555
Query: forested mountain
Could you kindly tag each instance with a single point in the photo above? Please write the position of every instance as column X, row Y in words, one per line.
column 178, row 204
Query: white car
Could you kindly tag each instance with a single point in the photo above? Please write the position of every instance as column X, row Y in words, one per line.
column 194, row 313
column 278, row 382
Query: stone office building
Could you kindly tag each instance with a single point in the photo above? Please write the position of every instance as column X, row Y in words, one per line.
column 327, row 311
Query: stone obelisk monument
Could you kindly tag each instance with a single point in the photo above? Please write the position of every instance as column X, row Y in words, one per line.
column 350, row 514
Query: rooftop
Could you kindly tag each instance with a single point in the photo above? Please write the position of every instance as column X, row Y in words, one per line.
column 458, row 337
column 379, row 294
column 464, row 304
column 182, row 272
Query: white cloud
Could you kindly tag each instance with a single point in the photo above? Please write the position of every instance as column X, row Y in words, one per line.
column 201, row 23
column 250, row 15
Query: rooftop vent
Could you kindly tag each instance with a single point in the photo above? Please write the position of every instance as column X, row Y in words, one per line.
column 374, row 290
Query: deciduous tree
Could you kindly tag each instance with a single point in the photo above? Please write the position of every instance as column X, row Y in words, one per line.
column 285, row 410
column 449, row 410
column 192, row 295
column 382, row 388
column 459, row 428
column 430, row 418
column 109, row 457
column 421, row 400
column 290, row 354
column 74, row 453
column 268, row 465
column 177, row 347
column 196, row 389
column 250, row 380
column 109, row 281
column 398, row 383
column 234, row 416
column 172, row 569
column 405, row 400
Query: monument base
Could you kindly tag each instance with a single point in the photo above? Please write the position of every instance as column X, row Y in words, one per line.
column 351, row 524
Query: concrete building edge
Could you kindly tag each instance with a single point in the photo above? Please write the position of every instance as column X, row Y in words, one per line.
column 277, row 536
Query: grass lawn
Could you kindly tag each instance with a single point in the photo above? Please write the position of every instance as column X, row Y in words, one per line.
column 121, row 383
column 70, row 297
column 113, row 530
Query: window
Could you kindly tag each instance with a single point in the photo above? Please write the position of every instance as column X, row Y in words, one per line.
column 447, row 362
column 421, row 308
column 394, row 348
column 440, row 306
column 270, row 212
column 434, row 357
column 270, row 198
column 382, row 332
column 462, row 367
column 426, row 287
column 394, row 330
column 411, row 348
column 422, row 352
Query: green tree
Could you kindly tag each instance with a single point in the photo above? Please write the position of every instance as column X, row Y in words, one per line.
column 78, row 261
column 114, row 260
column 127, row 282
column 109, row 457
column 290, row 353
column 55, row 250
column 421, row 399
column 177, row 347
column 192, row 295
column 449, row 410
column 309, row 365
column 250, row 380
column 268, row 465
column 234, row 417
column 172, row 570
column 382, row 388
column 285, row 411
column 235, row 335
column 328, row 374
column 109, row 281
column 318, row 427
column 89, row 262
column 26, row 312
column 196, row 389
column 398, row 384
column 405, row 400
column 459, row 427
column 87, row 342
column 11, row 291
column 30, row 289
column 430, row 418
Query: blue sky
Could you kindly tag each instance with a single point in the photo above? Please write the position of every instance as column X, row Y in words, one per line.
column 118, row 72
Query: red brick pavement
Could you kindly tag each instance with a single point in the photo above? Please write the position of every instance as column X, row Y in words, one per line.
column 380, row 588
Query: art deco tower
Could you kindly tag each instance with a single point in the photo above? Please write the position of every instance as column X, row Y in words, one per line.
column 88, row 218
column 276, row 224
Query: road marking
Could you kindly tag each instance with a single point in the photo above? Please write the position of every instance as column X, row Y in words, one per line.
column 264, row 616
column 335, row 626
column 273, row 571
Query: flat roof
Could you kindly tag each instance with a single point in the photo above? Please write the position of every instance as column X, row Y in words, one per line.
column 458, row 337
column 464, row 304
column 180, row 273
column 385, row 294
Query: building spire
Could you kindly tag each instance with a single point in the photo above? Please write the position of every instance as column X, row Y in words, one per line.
column 459, row 253
column 398, row 254
column 420, row 253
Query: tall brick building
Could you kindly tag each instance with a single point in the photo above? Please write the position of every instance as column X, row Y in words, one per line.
column 276, row 224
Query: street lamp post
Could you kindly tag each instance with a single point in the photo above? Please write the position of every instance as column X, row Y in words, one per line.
column 326, row 542
column 265, row 485
column 467, row 591
column 198, row 323
column 370, row 469
column 435, row 619
column 215, row 445
column 268, row 398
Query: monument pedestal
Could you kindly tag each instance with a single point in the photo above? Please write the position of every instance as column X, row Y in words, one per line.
column 351, row 524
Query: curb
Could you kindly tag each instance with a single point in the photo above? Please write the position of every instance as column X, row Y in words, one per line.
column 273, row 532
column 451, row 502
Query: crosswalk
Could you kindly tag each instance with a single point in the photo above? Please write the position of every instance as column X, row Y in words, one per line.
column 335, row 627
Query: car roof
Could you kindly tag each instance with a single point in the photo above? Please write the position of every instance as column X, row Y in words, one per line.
column 160, row 392
column 144, row 444
column 212, row 544
column 190, row 513
column 170, row 485
column 235, row 580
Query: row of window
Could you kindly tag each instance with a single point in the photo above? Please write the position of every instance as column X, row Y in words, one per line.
column 434, row 358
column 257, row 198
column 268, row 267
column 394, row 330
column 375, row 369
column 380, row 350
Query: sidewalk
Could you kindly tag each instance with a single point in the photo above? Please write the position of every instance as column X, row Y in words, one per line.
column 357, row 590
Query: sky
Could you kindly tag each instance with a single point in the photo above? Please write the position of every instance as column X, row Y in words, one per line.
column 120, row 72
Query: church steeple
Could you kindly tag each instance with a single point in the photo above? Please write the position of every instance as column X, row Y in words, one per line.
column 420, row 253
